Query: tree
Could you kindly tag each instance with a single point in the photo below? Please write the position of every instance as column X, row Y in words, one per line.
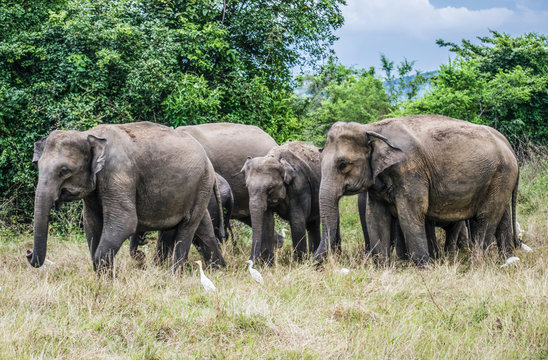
column 502, row 82
column 338, row 93
column 406, row 85
column 79, row 63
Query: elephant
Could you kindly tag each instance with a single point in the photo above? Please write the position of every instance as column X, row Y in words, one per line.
column 227, row 146
column 130, row 183
column 456, row 233
column 285, row 181
column 221, row 224
column 418, row 168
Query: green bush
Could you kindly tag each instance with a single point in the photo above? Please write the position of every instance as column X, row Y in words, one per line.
column 503, row 83
column 79, row 63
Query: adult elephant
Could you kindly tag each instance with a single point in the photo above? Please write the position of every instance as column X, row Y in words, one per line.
column 219, row 209
column 285, row 181
column 228, row 146
column 130, row 183
column 456, row 233
column 418, row 168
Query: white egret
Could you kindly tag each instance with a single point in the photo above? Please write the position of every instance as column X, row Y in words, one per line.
column 510, row 260
column 206, row 283
column 254, row 273
column 48, row 262
column 519, row 230
column 526, row 248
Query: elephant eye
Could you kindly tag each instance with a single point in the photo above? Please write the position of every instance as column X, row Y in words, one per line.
column 64, row 172
column 342, row 165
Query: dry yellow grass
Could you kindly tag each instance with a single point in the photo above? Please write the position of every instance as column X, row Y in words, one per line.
column 452, row 310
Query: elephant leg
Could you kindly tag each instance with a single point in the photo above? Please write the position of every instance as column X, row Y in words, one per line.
column 134, row 241
column 228, row 228
column 464, row 237
column 433, row 247
column 337, row 244
column 298, row 234
column 411, row 215
column 114, row 233
column 378, row 228
column 398, row 239
column 504, row 234
column 269, row 242
column 93, row 227
column 314, row 235
column 483, row 228
column 209, row 246
column 362, row 205
column 277, row 236
column 164, row 246
column 451, row 235
column 184, row 235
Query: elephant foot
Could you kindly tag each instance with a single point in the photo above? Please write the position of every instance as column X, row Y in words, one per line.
column 138, row 256
column 279, row 241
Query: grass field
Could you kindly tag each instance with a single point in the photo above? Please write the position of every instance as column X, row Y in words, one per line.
column 458, row 308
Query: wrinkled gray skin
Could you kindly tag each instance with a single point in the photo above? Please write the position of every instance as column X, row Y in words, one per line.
column 130, row 183
column 418, row 168
column 220, row 220
column 456, row 233
column 228, row 146
column 221, row 225
column 285, row 181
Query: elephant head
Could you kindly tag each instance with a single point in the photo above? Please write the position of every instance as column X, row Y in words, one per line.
column 351, row 161
column 266, row 179
column 68, row 163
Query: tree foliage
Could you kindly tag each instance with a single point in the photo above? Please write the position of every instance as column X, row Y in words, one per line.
column 340, row 93
column 502, row 82
column 79, row 63
column 403, row 85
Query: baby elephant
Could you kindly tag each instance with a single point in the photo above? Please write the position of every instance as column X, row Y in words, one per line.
column 285, row 181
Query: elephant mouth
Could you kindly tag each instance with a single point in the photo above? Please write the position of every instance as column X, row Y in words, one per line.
column 352, row 190
column 66, row 196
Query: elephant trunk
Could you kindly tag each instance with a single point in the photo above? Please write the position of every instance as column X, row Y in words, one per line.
column 43, row 202
column 260, row 225
column 329, row 215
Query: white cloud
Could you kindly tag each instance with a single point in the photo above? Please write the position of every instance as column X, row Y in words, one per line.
column 419, row 18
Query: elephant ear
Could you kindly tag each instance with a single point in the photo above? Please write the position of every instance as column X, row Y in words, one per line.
column 384, row 153
column 289, row 171
column 38, row 150
column 98, row 150
column 244, row 168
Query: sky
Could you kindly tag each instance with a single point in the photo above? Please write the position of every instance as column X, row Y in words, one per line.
column 409, row 28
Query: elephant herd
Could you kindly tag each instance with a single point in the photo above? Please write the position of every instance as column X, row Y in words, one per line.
column 412, row 174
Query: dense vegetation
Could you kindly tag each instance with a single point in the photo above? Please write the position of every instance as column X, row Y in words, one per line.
column 79, row 63
column 501, row 82
column 76, row 64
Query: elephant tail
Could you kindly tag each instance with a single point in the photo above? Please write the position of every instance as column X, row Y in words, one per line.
column 228, row 215
column 220, row 205
column 517, row 241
